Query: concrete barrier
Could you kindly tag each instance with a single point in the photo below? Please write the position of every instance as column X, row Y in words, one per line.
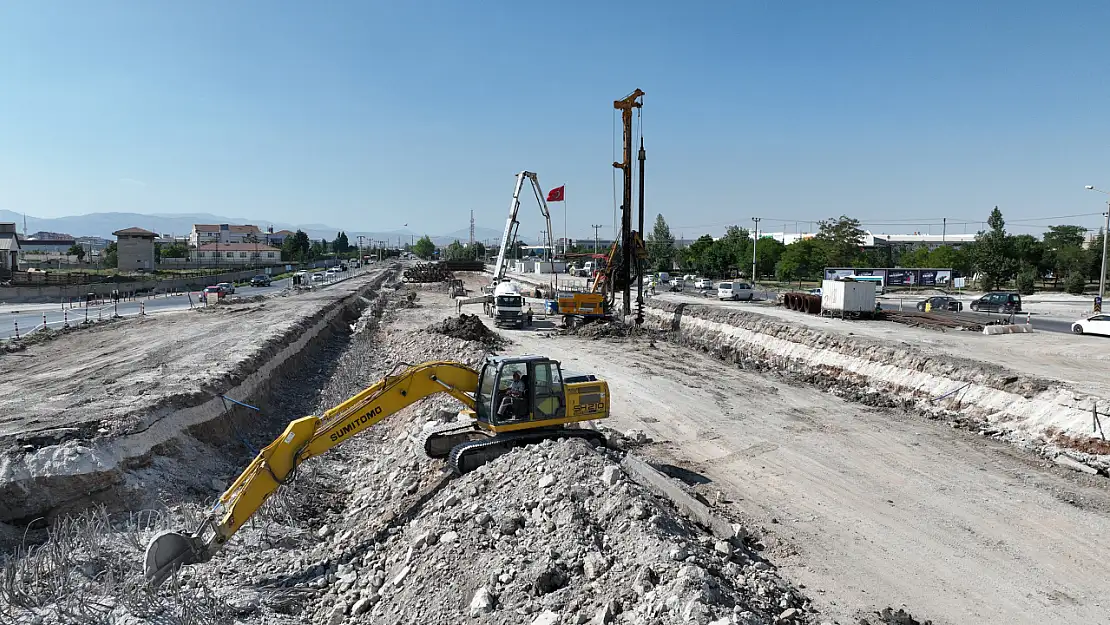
column 1008, row 329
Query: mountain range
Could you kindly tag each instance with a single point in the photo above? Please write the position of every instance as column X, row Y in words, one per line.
column 181, row 224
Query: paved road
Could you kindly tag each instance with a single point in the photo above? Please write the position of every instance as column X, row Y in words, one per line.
column 30, row 317
column 1040, row 322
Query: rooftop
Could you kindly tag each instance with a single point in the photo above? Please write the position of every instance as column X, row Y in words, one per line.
column 135, row 232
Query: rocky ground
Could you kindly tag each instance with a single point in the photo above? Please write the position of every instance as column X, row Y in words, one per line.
column 374, row 532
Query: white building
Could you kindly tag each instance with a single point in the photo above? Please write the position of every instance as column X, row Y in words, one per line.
column 225, row 233
column 234, row 254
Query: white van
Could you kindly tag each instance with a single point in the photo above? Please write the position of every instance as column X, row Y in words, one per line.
column 734, row 291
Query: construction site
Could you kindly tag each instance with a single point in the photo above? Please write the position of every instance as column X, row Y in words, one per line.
column 461, row 444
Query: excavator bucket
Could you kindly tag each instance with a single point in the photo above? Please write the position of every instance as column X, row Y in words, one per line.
column 167, row 552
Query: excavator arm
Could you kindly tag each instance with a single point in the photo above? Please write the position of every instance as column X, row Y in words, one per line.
column 277, row 463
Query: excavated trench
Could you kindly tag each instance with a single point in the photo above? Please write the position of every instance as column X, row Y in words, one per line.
column 172, row 449
column 1043, row 415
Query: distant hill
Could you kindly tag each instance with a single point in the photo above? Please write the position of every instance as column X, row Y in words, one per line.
column 104, row 224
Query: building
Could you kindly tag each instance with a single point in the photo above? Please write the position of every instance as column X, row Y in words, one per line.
column 9, row 250
column 135, row 249
column 204, row 234
column 31, row 246
column 931, row 241
column 234, row 254
column 277, row 238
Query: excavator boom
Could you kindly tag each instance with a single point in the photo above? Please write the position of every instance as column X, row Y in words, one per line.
column 277, row 463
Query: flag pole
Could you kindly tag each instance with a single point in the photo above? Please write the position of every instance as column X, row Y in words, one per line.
column 566, row 241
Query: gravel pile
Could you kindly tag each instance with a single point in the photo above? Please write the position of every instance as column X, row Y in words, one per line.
column 469, row 328
column 549, row 534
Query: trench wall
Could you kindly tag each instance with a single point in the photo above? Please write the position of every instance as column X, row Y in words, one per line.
column 1042, row 414
column 63, row 476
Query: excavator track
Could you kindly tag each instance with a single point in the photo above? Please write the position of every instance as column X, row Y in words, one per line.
column 466, row 457
column 439, row 442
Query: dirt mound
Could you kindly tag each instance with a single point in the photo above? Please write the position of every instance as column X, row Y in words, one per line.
column 610, row 330
column 468, row 328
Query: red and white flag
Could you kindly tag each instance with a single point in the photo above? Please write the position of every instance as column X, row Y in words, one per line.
column 555, row 195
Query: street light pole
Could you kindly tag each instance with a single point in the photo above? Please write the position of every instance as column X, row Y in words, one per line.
column 755, row 240
column 1105, row 235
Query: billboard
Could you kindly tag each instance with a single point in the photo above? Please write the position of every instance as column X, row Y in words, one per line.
column 896, row 277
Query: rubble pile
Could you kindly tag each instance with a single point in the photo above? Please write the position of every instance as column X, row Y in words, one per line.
column 468, row 328
column 552, row 533
column 610, row 329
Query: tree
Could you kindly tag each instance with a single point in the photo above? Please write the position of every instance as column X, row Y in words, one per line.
column 993, row 251
column 916, row 257
column 341, row 245
column 424, row 247
column 1028, row 252
column 77, row 250
column 111, row 258
column 805, row 258
column 660, row 246
column 842, row 238
column 1059, row 237
column 175, row 250
column 1094, row 256
column 692, row 256
column 455, row 250
column 768, row 253
column 1075, row 283
column 301, row 246
column 947, row 256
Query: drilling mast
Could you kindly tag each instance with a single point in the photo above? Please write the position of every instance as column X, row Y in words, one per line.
column 628, row 237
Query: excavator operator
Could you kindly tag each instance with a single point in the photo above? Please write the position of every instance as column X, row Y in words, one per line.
column 515, row 392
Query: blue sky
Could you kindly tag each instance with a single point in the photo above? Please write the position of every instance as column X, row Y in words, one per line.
column 368, row 115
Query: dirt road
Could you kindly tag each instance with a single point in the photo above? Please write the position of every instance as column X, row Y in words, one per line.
column 866, row 507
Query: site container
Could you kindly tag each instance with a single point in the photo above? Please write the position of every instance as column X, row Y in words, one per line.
column 847, row 296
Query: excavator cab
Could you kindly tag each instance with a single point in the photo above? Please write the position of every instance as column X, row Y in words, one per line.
column 544, row 398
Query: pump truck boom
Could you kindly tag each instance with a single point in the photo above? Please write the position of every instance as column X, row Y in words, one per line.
column 497, row 416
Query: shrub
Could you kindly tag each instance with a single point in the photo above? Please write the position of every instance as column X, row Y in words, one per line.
column 1075, row 283
column 1025, row 281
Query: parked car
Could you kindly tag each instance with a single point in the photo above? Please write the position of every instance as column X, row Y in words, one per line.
column 228, row 287
column 1095, row 324
column 260, row 280
column 735, row 291
column 216, row 290
column 318, row 276
column 940, row 303
column 703, row 284
column 999, row 301
column 816, row 291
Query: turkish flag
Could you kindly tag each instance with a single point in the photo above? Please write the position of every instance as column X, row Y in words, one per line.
column 555, row 195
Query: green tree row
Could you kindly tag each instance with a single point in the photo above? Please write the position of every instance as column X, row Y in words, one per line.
column 997, row 257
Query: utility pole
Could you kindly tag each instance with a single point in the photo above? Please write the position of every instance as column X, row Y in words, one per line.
column 472, row 226
column 944, row 230
column 755, row 241
column 1105, row 235
column 596, row 227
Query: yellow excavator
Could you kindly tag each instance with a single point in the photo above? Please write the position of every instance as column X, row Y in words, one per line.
column 511, row 401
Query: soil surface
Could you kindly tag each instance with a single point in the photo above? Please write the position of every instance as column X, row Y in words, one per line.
column 867, row 508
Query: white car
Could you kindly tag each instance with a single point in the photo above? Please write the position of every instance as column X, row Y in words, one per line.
column 228, row 287
column 318, row 277
column 1095, row 324
column 703, row 284
column 735, row 291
